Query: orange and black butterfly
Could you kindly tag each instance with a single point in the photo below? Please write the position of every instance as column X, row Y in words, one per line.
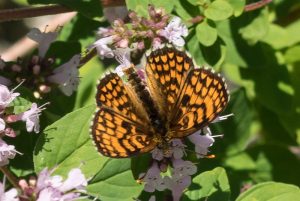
column 176, row 100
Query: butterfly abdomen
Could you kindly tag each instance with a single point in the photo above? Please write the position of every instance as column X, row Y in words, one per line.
column 145, row 97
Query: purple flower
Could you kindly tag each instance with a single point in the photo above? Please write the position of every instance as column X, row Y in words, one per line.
column 2, row 125
column 177, row 185
column 153, row 180
column 6, row 152
column 202, row 143
column 51, row 188
column 31, row 117
column 11, row 195
column 67, row 76
column 122, row 55
column 102, row 47
column 6, row 97
column 174, row 31
column 44, row 39
column 4, row 81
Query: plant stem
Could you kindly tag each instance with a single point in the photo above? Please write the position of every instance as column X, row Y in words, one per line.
column 256, row 5
column 88, row 57
column 26, row 12
column 21, row 13
column 10, row 176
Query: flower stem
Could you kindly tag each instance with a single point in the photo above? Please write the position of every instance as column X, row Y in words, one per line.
column 10, row 176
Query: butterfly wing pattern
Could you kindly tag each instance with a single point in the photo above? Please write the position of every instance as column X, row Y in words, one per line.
column 117, row 130
column 187, row 98
column 194, row 96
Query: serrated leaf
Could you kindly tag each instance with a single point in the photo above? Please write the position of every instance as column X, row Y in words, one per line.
column 212, row 184
column 206, row 34
column 271, row 191
column 218, row 10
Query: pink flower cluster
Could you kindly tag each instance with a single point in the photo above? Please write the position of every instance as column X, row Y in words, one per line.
column 39, row 71
column 48, row 188
column 31, row 117
column 155, row 30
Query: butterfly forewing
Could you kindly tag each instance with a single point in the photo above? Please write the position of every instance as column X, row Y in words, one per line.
column 167, row 69
column 119, row 128
column 194, row 97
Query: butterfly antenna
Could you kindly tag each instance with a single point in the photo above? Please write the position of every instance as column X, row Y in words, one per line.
column 201, row 155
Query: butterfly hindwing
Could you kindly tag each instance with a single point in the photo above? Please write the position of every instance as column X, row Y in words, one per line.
column 120, row 128
column 117, row 136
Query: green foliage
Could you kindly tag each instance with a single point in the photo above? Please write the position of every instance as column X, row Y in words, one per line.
column 271, row 191
column 257, row 52
column 218, row 10
column 211, row 185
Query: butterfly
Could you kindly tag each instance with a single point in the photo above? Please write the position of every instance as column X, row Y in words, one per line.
column 175, row 100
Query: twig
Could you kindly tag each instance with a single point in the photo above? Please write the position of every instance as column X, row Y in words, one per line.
column 256, row 5
column 21, row 13
column 27, row 12
column 88, row 57
column 10, row 176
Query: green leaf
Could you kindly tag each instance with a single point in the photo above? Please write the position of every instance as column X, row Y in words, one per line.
column 257, row 29
column 138, row 6
column 20, row 105
column 167, row 5
column 195, row 49
column 73, row 31
column 66, row 144
column 292, row 54
column 233, row 55
column 271, row 191
column 206, row 34
column 89, row 8
column 197, row 2
column 186, row 10
column 241, row 161
column 115, row 182
column 90, row 73
column 212, row 184
column 141, row 6
column 218, row 10
column 238, row 6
